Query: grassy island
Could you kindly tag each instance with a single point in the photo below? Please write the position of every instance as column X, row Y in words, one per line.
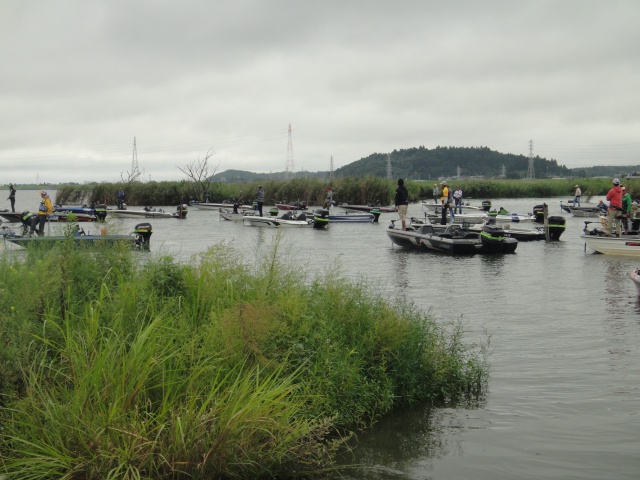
column 125, row 365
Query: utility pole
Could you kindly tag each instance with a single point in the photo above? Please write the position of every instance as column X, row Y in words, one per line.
column 134, row 161
column 331, row 168
column 290, row 168
column 389, row 173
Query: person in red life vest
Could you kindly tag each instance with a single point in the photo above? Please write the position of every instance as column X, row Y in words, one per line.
column 614, row 213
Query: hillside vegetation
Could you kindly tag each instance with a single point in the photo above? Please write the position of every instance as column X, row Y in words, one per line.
column 441, row 162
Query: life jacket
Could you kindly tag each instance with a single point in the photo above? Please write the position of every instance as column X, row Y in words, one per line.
column 45, row 207
column 448, row 197
column 25, row 217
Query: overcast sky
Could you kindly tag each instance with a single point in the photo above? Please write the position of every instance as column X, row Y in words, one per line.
column 81, row 79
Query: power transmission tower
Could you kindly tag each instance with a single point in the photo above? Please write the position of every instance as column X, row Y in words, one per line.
column 135, row 171
column 331, row 168
column 389, row 173
column 530, row 171
column 134, row 161
column 290, row 169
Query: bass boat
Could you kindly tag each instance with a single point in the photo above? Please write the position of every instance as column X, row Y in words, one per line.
column 288, row 220
column 597, row 239
column 140, row 238
column 292, row 206
column 453, row 239
column 97, row 211
column 150, row 212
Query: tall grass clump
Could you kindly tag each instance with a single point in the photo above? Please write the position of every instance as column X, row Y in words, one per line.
column 124, row 367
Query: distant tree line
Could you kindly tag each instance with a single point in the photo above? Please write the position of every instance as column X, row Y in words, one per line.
column 420, row 163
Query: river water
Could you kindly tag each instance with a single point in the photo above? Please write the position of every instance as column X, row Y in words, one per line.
column 564, row 329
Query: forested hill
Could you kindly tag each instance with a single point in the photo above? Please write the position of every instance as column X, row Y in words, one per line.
column 424, row 163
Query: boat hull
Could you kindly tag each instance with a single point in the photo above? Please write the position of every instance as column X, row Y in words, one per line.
column 236, row 217
column 452, row 239
column 368, row 208
column 180, row 213
column 613, row 245
column 352, row 218
column 139, row 238
column 292, row 206
column 271, row 222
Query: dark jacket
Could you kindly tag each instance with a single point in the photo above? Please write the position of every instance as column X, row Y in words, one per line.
column 402, row 195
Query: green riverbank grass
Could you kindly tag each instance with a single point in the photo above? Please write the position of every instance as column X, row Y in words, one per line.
column 127, row 366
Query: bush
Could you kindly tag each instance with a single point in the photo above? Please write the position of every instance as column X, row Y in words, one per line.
column 121, row 368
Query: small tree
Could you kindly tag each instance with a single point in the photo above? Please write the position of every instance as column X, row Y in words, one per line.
column 201, row 174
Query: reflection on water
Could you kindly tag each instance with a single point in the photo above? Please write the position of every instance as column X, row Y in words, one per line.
column 403, row 440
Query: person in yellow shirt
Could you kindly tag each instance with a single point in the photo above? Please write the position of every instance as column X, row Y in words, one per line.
column 44, row 210
column 445, row 201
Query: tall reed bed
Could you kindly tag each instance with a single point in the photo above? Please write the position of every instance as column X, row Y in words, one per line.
column 494, row 189
column 311, row 190
column 123, row 366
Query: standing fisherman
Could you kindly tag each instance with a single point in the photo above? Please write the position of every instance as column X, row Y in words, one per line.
column 614, row 196
column 328, row 201
column 44, row 210
column 260, row 198
column 402, row 202
column 577, row 196
column 445, row 202
column 12, row 197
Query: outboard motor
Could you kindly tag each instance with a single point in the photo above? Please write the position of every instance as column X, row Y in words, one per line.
column 494, row 240
column 486, row 205
column 273, row 211
column 320, row 218
column 287, row 216
column 557, row 225
column 143, row 233
column 181, row 211
column 100, row 211
column 538, row 213
column 376, row 214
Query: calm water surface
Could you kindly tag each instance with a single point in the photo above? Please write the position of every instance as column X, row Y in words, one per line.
column 564, row 327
